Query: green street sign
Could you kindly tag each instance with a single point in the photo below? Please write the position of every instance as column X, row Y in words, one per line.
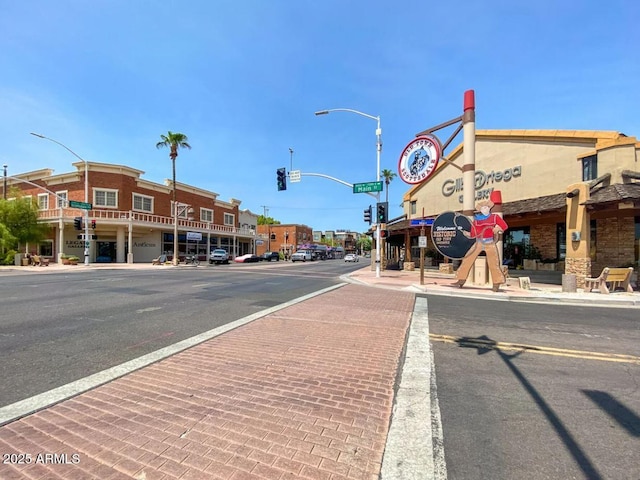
column 367, row 187
column 82, row 205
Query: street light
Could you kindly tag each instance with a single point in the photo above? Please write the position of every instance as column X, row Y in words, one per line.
column 86, row 193
column 378, row 151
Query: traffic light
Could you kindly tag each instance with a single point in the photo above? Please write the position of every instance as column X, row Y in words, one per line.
column 77, row 223
column 282, row 179
column 367, row 215
column 93, row 224
column 384, row 233
column 381, row 212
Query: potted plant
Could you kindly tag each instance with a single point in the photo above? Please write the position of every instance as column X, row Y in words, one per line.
column 532, row 256
column 69, row 259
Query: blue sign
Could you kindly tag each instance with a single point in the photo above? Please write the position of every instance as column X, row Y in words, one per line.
column 422, row 222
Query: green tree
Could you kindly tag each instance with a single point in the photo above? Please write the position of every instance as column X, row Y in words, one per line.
column 364, row 243
column 173, row 141
column 262, row 220
column 388, row 176
column 19, row 220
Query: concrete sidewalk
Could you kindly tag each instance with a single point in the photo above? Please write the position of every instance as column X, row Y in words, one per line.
column 303, row 392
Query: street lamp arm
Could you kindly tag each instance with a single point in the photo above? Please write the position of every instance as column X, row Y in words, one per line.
column 350, row 185
column 61, row 144
column 325, row 112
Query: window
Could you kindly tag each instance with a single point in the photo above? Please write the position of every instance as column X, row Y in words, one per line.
column 105, row 198
column 413, row 207
column 561, row 240
column 229, row 219
column 43, row 201
column 589, row 168
column 142, row 203
column 594, row 243
column 206, row 215
column 45, row 249
column 62, row 199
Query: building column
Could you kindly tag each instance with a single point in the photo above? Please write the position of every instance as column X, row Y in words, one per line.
column 120, row 244
column 578, row 225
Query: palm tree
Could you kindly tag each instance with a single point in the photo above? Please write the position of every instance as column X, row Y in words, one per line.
column 388, row 176
column 174, row 141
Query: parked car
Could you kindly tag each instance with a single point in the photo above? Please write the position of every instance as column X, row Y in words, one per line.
column 248, row 258
column 301, row 256
column 269, row 256
column 219, row 256
column 350, row 257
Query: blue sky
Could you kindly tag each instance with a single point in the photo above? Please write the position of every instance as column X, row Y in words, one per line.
column 243, row 78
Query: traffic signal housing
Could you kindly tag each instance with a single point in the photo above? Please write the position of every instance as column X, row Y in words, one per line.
column 381, row 212
column 93, row 224
column 367, row 215
column 77, row 223
column 282, row 179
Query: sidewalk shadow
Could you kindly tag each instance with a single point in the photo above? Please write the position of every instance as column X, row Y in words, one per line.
column 485, row 345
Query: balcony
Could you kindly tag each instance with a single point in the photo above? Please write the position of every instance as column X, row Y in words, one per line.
column 140, row 219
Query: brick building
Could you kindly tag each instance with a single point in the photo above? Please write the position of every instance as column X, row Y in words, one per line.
column 283, row 238
column 134, row 218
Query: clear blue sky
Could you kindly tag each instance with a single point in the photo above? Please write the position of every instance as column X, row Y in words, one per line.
column 242, row 79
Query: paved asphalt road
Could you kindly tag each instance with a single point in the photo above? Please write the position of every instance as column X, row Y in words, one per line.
column 60, row 327
column 544, row 413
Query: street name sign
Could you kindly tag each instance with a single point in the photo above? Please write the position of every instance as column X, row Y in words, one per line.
column 421, row 222
column 367, row 187
column 294, row 176
column 82, row 205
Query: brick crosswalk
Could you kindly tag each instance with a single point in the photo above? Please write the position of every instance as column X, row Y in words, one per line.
column 305, row 392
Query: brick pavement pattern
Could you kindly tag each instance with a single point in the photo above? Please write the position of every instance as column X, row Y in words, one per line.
column 305, row 392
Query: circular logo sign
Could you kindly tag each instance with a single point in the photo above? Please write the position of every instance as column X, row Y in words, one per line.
column 447, row 236
column 419, row 159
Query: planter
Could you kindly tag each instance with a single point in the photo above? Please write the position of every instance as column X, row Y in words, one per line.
column 445, row 268
column 547, row 266
column 529, row 264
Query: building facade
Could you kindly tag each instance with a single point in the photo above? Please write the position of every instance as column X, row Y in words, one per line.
column 570, row 198
column 132, row 219
column 283, row 238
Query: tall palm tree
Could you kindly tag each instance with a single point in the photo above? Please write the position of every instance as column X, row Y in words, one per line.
column 174, row 141
column 388, row 176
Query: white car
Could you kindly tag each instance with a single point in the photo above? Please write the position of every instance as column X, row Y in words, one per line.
column 301, row 256
column 350, row 257
column 218, row 256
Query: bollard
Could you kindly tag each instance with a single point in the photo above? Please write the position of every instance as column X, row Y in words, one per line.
column 569, row 282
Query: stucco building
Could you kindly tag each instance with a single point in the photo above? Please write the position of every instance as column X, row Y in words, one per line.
column 573, row 195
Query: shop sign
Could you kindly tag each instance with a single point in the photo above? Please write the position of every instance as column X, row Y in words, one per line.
column 483, row 181
column 419, row 159
column 447, row 236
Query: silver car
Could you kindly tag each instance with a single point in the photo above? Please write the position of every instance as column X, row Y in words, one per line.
column 301, row 256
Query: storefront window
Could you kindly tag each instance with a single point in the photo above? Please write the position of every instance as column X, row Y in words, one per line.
column 592, row 247
column 516, row 241
column 636, row 243
column 561, row 238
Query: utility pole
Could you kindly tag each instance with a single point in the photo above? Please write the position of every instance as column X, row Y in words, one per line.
column 265, row 211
